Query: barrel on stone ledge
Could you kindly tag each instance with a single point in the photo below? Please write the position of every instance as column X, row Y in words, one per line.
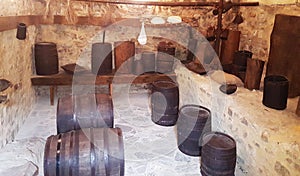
column 164, row 103
column 86, row 152
column 193, row 122
column 101, row 58
column 46, row 58
column 84, row 111
column 165, row 57
column 218, row 155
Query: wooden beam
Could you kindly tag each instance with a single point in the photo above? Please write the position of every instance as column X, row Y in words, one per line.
column 170, row 3
column 91, row 79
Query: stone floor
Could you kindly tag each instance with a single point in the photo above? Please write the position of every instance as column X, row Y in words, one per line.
column 150, row 149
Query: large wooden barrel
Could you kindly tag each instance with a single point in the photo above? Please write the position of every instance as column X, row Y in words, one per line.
column 218, row 155
column 101, row 58
column 165, row 57
column 46, row 58
column 275, row 93
column 86, row 152
column 193, row 122
column 164, row 103
column 84, row 111
column 124, row 52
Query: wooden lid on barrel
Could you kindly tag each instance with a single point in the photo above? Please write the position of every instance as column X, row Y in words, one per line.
column 219, row 141
column 195, row 112
column 164, row 85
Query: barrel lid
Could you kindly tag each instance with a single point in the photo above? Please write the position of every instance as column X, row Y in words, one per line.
column 164, row 84
column 219, row 141
column 195, row 111
column 45, row 43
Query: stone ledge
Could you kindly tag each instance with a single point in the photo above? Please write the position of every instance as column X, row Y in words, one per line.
column 267, row 140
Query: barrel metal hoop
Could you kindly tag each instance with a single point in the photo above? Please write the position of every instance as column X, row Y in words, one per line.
column 58, row 154
column 93, row 155
column 106, row 152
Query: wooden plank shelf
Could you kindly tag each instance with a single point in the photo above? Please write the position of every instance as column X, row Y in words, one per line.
column 88, row 78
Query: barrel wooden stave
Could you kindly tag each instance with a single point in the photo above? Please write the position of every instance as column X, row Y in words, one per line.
column 87, row 152
column 84, row 111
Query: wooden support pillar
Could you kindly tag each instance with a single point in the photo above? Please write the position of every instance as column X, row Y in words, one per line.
column 298, row 108
column 52, row 94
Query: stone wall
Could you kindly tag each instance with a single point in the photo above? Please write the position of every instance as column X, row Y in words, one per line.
column 267, row 139
column 16, row 66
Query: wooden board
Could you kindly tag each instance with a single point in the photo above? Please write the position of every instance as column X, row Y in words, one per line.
column 284, row 58
column 90, row 79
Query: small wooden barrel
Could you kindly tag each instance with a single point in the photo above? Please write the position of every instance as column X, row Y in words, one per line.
column 254, row 72
column 218, row 155
column 193, row 122
column 275, row 93
column 101, row 58
column 46, row 58
column 148, row 60
column 124, row 52
column 164, row 103
column 84, row 111
column 86, row 152
column 165, row 58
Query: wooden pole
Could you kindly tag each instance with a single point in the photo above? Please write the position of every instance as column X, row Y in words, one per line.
column 219, row 27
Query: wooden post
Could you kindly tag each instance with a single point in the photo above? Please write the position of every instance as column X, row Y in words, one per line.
column 298, row 108
column 52, row 93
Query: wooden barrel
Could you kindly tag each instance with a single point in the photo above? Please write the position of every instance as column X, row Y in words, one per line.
column 84, row 111
column 124, row 52
column 46, row 58
column 193, row 122
column 218, row 155
column 275, row 93
column 164, row 103
column 86, row 152
column 191, row 50
column 101, row 58
column 148, row 61
column 165, row 57
column 254, row 72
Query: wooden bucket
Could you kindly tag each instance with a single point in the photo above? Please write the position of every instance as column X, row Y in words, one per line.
column 275, row 93
column 86, row 152
column 218, row 155
column 84, row 111
column 101, row 58
column 193, row 122
column 46, row 58
column 164, row 103
column 254, row 72
column 124, row 52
